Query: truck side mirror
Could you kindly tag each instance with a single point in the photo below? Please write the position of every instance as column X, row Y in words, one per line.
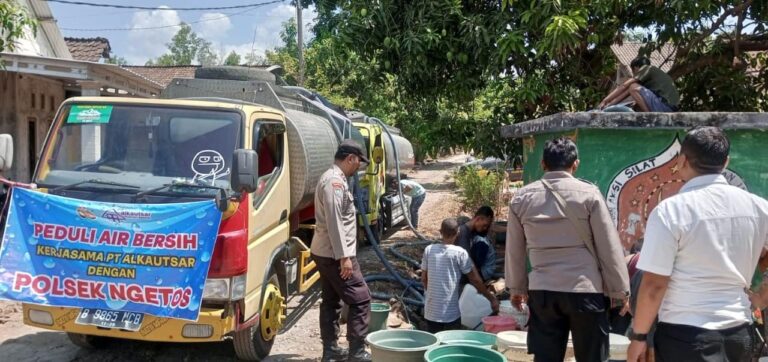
column 6, row 152
column 378, row 154
column 244, row 171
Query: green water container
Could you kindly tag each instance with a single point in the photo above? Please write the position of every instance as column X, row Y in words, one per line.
column 462, row 353
column 400, row 345
column 379, row 315
column 470, row 338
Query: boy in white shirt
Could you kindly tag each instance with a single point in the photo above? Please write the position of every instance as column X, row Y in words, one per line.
column 442, row 267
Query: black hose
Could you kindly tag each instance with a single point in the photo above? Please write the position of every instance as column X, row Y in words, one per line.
column 413, row 262
column 407, row 284
column 406, row 213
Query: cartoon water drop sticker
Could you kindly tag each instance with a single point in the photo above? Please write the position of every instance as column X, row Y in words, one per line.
column 27, row 257
column 200, row 214
column 49, row 263
column 30, row 221
column 209, row 165
column 3, row 288
column 159, row 281
column 205, row 257
column 63, row 273
column 22, row 203
column 115, row 304
column 136, row 228
column 210, row 223
column 32, row 240
column 76, row 276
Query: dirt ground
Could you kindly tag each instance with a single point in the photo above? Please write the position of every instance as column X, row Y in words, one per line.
column 299, row 339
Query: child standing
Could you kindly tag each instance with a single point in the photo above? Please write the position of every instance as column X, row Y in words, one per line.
column 442, row 267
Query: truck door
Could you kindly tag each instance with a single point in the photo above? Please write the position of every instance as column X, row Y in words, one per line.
column 269, row 205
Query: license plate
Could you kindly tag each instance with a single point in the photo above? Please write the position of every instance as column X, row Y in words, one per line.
column 110, row 318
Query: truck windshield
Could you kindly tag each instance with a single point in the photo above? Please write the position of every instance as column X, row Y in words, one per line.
column 144, row 146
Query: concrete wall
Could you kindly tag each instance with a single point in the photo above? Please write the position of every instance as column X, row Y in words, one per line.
column 29, row 105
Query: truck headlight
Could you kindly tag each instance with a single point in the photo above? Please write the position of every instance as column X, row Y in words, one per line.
column 238, row 287
column 217, row 289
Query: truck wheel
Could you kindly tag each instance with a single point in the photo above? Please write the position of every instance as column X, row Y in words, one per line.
column 87, row 341
column 255, row 342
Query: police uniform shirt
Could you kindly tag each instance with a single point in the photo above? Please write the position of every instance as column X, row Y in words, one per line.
column 335, row 216
column 560, row 260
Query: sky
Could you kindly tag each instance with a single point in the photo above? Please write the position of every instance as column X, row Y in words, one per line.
column 242, row 30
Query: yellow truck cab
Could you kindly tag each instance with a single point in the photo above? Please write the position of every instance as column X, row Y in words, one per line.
column 148, row 144
column 383, row 205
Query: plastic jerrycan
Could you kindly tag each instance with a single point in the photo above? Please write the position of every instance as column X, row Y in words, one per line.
column 473, row 307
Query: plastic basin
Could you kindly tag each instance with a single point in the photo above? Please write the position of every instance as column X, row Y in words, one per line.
column 500, row 323
column 379, row 315
column 400, row 345
column 470, row 338
column 463, row 353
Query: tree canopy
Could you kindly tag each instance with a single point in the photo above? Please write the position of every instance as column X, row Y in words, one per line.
column 232, row 59
column 185, row 48
column 451, row 72
column 14, row 20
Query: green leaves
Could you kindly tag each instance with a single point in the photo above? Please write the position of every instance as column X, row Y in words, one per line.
column 186, row 47
column 563, row 34
column 14, row 20
column 450, row 72
column 478, row 187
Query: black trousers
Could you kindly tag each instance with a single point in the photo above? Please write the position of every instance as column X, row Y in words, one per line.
column 353, row 291
column 434, row 327
column 683, row 343
column 554, row 314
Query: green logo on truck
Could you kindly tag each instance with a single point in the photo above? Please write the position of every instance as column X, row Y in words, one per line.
column 89, row 114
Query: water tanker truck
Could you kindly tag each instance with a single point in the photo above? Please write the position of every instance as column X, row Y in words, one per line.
column 254, row 148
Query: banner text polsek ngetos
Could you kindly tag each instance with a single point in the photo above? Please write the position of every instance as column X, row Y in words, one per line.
column 145, row 258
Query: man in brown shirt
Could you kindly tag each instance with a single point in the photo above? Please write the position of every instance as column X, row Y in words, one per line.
column 571, row 277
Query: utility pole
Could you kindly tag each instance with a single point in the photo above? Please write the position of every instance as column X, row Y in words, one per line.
column 300, row 40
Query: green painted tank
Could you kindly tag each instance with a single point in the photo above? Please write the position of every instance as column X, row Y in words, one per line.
column 632, row 157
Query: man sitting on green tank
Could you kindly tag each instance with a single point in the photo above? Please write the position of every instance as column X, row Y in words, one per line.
column 651, row 88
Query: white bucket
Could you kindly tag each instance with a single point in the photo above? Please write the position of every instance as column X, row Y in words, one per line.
column 514, row 346
column 473, row 307
column 506, row 309
column 618, row 348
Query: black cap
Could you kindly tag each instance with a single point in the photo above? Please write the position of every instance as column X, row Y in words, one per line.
column 350, row 147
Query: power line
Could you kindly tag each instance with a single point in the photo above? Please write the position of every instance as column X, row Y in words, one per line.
column 163, row 8
column 166, row 26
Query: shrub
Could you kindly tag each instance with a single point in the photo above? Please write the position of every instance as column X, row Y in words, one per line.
column 479, row 187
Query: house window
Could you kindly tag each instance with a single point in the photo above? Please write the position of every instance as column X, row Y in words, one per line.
column 42, row 101
column 34, row 101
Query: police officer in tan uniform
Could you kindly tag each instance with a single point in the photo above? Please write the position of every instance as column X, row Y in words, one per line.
column 563, row 225
column 334, row 246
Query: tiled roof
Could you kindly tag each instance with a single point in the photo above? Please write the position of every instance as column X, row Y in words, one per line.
column 163, row 75
column 88, row 49
column 628, row 51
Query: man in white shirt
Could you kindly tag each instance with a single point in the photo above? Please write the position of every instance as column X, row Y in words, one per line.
column 699, row 255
